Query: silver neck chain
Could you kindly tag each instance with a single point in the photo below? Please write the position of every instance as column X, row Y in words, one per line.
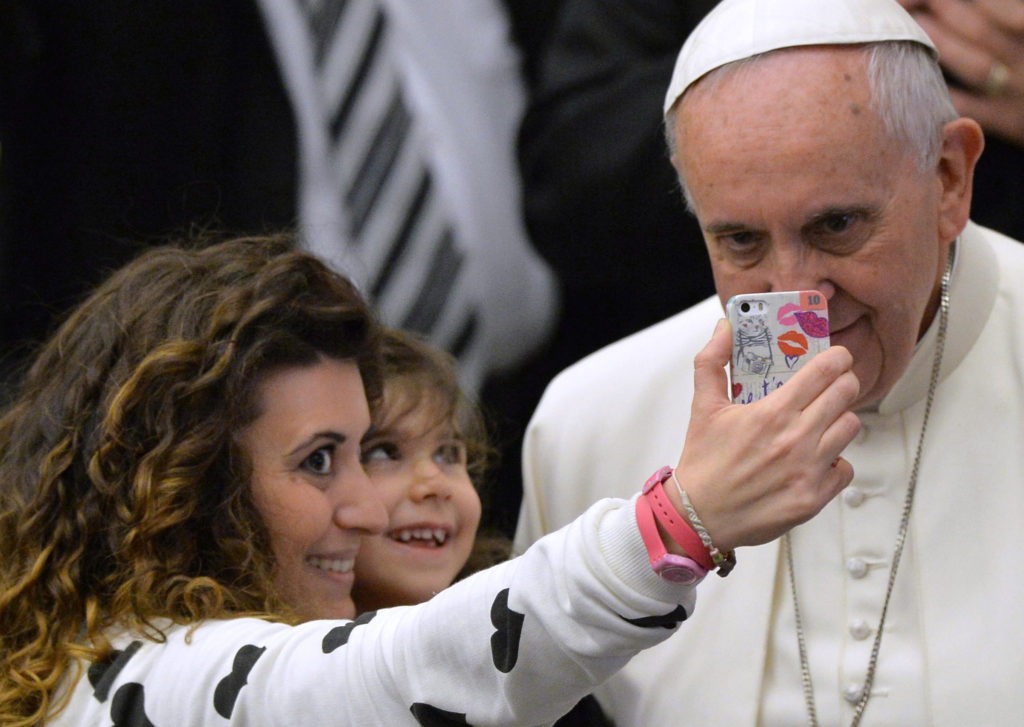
column 901, row 536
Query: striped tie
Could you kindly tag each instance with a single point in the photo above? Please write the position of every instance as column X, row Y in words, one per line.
column 396, row 219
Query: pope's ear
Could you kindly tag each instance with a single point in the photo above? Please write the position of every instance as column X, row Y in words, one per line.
column 962, row 142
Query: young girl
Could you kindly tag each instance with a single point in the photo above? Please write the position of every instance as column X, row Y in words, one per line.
column 426, row 456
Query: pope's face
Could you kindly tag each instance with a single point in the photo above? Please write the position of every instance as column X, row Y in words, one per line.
column 796, row 186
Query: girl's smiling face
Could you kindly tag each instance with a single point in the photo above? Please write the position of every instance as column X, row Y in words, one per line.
column 308, row 482
column 417, row 464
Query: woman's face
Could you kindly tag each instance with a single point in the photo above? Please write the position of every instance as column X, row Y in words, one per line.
column 309, row 485
column 418, row 467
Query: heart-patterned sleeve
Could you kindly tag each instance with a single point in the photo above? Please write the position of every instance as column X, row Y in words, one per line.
column 519, row 643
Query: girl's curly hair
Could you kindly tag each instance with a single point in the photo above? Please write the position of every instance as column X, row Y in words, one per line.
column 418, row 374
column 124, row 496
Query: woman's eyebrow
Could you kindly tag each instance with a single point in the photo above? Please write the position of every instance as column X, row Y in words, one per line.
column 336, row 437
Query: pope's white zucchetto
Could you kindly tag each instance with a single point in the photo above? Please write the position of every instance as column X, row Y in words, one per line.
column 738, row 29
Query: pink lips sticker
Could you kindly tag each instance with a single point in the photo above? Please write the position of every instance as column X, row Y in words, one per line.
column 785, row 314
column 812, row 324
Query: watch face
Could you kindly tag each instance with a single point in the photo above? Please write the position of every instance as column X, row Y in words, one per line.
column 679, row 571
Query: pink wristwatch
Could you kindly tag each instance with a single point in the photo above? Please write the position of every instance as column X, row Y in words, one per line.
column 671, row 567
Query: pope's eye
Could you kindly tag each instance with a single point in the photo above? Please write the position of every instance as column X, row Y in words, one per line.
column 742, row 239
column 319, row 462
column 842, row 231
column 741, row 247
column 837, row 222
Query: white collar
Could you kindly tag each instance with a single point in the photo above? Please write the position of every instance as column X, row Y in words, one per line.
column 972, row 295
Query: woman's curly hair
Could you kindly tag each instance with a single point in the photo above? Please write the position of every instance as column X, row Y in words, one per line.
column 124, row 496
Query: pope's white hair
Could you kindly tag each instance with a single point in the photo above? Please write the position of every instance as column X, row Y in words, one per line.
column 908, row 93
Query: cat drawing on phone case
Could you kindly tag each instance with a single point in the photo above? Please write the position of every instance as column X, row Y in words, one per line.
column 754, row 343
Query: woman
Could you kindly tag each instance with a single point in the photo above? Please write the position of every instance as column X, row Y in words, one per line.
column 181, row 498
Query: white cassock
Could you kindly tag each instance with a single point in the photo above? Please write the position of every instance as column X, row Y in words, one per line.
column 952, row 651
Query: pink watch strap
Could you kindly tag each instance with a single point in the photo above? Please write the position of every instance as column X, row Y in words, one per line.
column 671, row 567
column 676, row 525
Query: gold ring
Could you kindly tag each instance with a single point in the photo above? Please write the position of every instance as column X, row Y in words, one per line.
column 998, row 79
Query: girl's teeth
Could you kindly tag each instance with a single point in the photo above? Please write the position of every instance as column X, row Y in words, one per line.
column 437, row 536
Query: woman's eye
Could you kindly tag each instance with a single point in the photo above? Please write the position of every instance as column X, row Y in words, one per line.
column 451, row 453
column 320, row 461
column 379, row 452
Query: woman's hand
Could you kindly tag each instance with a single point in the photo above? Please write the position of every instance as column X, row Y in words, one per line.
column 754, row 471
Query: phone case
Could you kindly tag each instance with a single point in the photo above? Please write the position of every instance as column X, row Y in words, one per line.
column 773, row 335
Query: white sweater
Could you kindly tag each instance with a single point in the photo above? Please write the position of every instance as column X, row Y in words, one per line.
column 517, row 644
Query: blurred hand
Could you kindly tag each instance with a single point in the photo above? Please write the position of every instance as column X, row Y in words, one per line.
column 981, row 45
column 754, row 471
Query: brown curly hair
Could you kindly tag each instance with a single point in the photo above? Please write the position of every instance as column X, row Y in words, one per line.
column 124, row 497
column 415, row 374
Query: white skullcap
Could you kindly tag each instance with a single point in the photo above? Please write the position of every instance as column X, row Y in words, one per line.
column 738, row 29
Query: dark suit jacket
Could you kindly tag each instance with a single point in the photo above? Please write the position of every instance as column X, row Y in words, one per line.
column 122, row 121
column 602, row 201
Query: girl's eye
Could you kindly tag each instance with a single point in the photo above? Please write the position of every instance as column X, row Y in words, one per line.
column 451, row 453
column 379, row 452
column 320, row 461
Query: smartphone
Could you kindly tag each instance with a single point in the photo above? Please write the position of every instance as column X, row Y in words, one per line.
column 773, row 335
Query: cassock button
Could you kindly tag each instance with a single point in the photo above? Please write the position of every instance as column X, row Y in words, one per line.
column 852, row 693
column 853, row 497
column 857, row 567
column 860, row 629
